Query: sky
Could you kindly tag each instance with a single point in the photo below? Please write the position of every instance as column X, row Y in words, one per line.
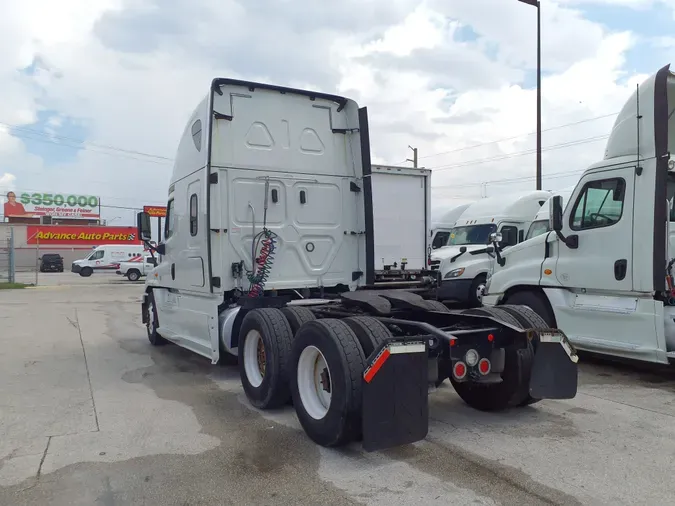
column 96, row 94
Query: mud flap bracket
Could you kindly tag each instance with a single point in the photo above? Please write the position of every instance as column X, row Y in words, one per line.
column 395, row 395
column 554, row 372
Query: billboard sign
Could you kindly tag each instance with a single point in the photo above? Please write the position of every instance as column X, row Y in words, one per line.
column 81, row 236
column 155, row 211
column 59, row 205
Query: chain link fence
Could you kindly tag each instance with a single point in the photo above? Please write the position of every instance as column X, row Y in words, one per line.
column 7, row 255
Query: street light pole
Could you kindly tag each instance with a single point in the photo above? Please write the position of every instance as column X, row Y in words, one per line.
column 537, row 4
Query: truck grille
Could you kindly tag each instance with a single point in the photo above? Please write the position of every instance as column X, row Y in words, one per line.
column 435, row 265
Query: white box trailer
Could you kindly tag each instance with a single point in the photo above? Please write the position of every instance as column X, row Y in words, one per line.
column 402, row 219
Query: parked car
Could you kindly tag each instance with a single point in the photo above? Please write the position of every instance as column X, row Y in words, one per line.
column 51, row 262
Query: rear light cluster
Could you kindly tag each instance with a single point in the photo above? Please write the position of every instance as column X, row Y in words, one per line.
column 471, row 359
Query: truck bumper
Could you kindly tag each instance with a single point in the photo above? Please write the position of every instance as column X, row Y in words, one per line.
column 454, row 289
column 75, row 268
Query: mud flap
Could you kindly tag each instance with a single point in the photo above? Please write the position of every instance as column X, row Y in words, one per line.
column 395, row 395
column 554, row 372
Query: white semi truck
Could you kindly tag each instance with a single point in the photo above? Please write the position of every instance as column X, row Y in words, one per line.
column 604, row 273
column 443, row 227
column 269, row 256
column 462, row 265
column 542, row 220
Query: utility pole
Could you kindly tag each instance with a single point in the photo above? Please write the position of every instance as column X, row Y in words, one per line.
column 414, row 158
column 537, row 4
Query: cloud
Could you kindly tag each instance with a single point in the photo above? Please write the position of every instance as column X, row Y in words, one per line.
column 436, row 74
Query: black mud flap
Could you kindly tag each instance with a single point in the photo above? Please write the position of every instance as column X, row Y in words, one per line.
column 395, row 395
column 554, row 372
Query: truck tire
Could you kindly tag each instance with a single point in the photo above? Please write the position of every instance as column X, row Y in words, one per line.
column 370, row 332
column 495, row 312
column 437, row 305
column 152, row 322
column 86, row 272
column 297, row 316
column 514, row 389
column 327, row 363
column 535, row 302
column 529, row 319
column 264, row 348
column 133, row 275
column 478, row 284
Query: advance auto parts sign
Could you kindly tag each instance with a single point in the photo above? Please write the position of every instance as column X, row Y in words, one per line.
column 79, row 236
column 61, row 205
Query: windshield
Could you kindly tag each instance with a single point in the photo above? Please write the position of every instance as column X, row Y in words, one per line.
column 537, row 228
column 471, row 234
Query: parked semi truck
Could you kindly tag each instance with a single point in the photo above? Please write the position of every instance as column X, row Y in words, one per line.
column 269, row 256
column 443, row 227
column 462, row 265
column 604, row 274
column 542, row 220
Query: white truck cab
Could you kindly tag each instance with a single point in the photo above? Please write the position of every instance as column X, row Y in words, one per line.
column 603, row 274
column 542, row 220
column 106, row 257
column 442, row 228
column 464, row 262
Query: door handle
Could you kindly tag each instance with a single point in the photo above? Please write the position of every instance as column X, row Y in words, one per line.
column 620, row 268
column 173, row 271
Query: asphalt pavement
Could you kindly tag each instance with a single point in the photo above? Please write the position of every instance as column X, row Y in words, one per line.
column 91, row 414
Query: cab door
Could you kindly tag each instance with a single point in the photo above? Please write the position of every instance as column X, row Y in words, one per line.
column 600, row 215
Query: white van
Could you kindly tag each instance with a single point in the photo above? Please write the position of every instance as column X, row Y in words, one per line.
column 441, row 229
column 106, row 257
column 464, row 263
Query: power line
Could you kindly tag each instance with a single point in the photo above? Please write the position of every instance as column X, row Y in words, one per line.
column 118, row 152
column 553, row 175
column 467, row 163
column 519, row 136
column 82, row 141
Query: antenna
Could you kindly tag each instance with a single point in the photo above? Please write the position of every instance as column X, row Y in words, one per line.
column 638, row 169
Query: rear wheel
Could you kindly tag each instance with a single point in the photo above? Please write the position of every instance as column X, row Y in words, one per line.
column 437, row 305
column 370, row 332
column 327, row 363
column 513, row 390
column 133, row 275
column 297, row 316
column 264, row 346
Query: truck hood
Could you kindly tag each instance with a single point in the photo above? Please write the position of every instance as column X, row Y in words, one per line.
column 452, row 251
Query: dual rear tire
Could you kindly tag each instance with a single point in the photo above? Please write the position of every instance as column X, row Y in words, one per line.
column 288, row 355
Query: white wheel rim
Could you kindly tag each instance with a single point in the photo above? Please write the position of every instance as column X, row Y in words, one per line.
column 479, row 291
column 252, row 366
column 313, row 378
column 151, row 318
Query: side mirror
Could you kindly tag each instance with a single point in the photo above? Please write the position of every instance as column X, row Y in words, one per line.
column 496, row 237
column 556, row 214
column 143, row 225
